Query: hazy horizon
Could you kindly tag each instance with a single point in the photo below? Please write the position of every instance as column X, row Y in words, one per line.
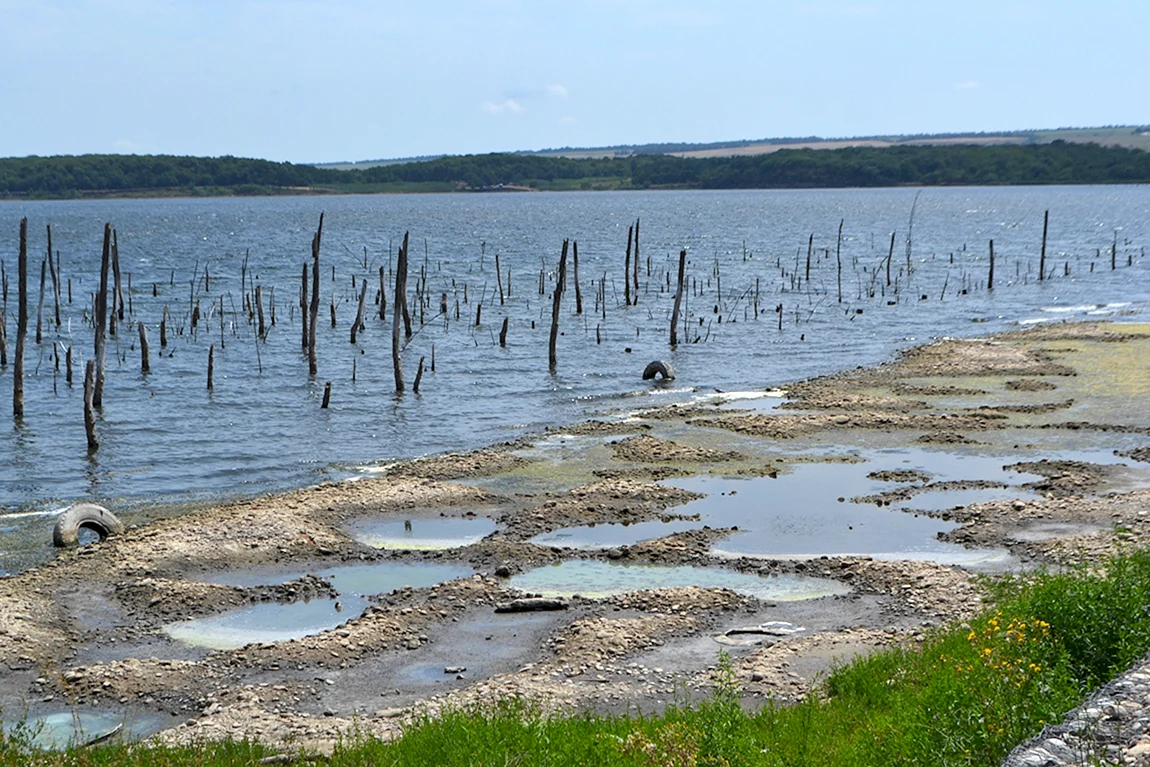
column 313, row 82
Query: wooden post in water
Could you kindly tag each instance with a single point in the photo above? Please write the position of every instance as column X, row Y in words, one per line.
column 990, row 274
column 261, row 328
column 418, row 376
column 635, row 263
column 40, row 306
column 313, row 318
column 627, row 268
column 102, row 318
column 559, row 285
column 889, row 256
column 303, row 305
column 145, row 366
column 89, row 407
column 503, row 333
column 839, row 260
column 1114, row 252
column 164, row 328
column 382, row 296
column 211, row 366
column 359, row 324
column 678, row 298
column 1042, row 256
column 578, row 292
column 397, row 314
column 326, row 396
column 3, row 337
column 117, row 294
column 68, row 366
column 810, row 247
column 499, row 279
column 55, row 278
column 21, row 323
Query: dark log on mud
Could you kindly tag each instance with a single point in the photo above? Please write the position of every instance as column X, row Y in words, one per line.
column 530, row 604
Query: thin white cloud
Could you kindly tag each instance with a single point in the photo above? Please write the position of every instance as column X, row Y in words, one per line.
column 968, row 85
column 508, row 106
column 557, row 91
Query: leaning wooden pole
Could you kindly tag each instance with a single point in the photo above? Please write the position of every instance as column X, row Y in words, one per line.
column 627, row 268
column 21, row 323
column 399, row 299
column 117, row 310
column 1042, row 255
column 635, row 264
column 102, row 318
column 40, row 305
column 578, row 292
column 678, row 298
column 560, row 283
column 55, row 278
column 89, row 408
column 314, row 307
column 839, row 259
column 359, row 325
column 145, row 364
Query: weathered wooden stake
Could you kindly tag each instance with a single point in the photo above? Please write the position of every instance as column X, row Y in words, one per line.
column 3, row 337
column 678, row 298
column 40, row 306
column 21, row 323
column 358, row 324
column 262, row 329
column 418, row 376
column 68, row 366
column 498, row 279
column 503, row 333
column 55, row 278
column 211, row 366
column 89, row 406
column 1042, row 256
column 397, row 316
column 560, row 283
column 627, row 267
column 145, row 367
column 478, row 313
column 102, row 317
column 303, row 304
column 326, row 396
column 313, row 319
column 578, row 292
column 839, row 260
column 382, row 297
column 990, row 274
column 164, row 328
column 635, row 263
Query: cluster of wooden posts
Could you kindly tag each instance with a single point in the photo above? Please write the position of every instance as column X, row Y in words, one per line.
column 109, row 311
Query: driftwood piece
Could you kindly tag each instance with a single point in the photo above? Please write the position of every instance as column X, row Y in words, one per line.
column 530, row 604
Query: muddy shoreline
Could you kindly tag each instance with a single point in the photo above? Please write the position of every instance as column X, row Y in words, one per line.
column 90, row 630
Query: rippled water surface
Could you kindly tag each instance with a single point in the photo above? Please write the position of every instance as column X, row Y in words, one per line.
column 165, row 437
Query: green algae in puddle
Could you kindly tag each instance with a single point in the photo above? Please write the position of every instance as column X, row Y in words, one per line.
column 596, row 580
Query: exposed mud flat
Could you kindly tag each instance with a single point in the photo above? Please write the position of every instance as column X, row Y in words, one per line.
column 90, row 629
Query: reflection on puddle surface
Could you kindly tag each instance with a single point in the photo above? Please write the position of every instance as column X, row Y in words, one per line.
column 64, row 728
column 424, row 534
column 273, row 622
column 266, row 622
column 600, row 579
column 606, row 536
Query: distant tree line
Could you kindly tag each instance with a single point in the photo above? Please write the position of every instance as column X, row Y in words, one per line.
column 1054, row 163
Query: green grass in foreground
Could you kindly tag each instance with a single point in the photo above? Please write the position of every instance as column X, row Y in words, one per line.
column 966, row 696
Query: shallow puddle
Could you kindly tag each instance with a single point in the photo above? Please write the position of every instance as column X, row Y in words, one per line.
column 596, row 580
column 607, row 536
column 274, row 622
column 266, row 622
column 64, row 728
column 419, row 534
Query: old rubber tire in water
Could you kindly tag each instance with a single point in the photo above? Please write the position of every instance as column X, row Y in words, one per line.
column 658, row 368
column 87, row 516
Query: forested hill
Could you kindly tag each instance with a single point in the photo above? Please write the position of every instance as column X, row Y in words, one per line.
column 159, row 175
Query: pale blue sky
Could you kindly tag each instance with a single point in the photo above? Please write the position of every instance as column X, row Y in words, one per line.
column 312, row 81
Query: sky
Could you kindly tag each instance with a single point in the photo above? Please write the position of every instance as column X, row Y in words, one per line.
column 339, row 80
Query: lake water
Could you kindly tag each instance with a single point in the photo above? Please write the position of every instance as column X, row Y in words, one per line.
column 164, row 437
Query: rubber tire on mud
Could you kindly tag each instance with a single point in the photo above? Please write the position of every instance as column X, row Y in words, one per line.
column 660, row 368
column 84, row 516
